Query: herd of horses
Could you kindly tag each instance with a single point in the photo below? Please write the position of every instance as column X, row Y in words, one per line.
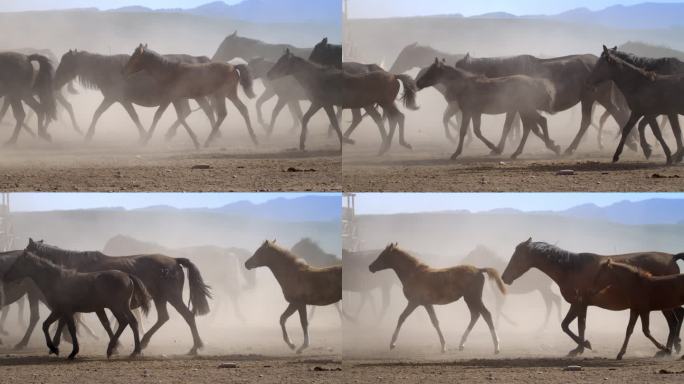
column 640, row 282
column 632, row 89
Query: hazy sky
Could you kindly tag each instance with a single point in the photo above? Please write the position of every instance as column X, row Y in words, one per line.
column 25, row 5
column 393, row 8
column 65, row 201
column 387, row 203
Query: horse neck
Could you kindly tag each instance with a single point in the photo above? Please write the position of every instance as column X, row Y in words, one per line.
column 552, row 269
column 69, row 258
column 44, row 274
column 306, row 72
column 282, row 265
column 91, row 69
column 159, row 68
column 405, row 265
column 628, row 78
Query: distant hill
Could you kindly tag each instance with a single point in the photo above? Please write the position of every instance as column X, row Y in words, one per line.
column 638, row 16
column 648, row 50
column 653, row 211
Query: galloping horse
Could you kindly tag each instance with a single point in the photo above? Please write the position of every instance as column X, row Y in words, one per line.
column 575, row 272
column 427, row 286
column 301, row 284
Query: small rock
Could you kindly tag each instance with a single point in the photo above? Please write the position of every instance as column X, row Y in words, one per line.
column 324, row 369
column 502, row 163
column 228, row 365
column 201, row 166
column 572, row 368
column 659, row 176
column 565, row 172
column 294, row 169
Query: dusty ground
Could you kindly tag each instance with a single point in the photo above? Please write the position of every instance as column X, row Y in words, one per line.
column 129, row 167
column 427, row 168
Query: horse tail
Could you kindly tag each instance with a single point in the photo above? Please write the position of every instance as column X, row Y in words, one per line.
column 246, row 80
column 141, row 294
column 199, row 291
column 410, row 90
column 43, row 86
column 679, row 256
column 494, row 274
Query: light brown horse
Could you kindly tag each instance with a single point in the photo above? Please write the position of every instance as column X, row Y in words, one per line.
column 575, row 273
column 194, row 81
column 301, row 283
column 427, row 286
column 641, row 293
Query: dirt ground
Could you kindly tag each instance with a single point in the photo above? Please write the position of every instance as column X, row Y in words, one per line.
column 427, row 168
column 130, row 167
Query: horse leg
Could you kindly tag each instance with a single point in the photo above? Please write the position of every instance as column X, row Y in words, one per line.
column 41, row 117
column 477, row 119
column 584, row 124
column 19, row 116
column 508, row 124
column 677, row 131
column 245, row 115
column 377, row 118
column 264, row 97
column 104, row 105
column 659, row 136
column 400, row 120
column 155, row 120
column 106, row 325
column 633, row 118
column 280, row 103
column 633, row 315
column 114, row 341
column 410, row 307
column 492, row 330
column 465, row 122
column 474, row 316
column 221, row 113
column 645, row 320
column 527, row 127
column 71, row 326
column 3, row 318
column 183, row 111
column 543, row 123
column 313, row 108
column 46, row 331
column 34, row 316
column 305, row 327
column 70, row 110
column 435, row 323
column 133, row 322
column 357, row 118
column 565, row 326
column 291, row 308
column 645, row 146
column 679, row 316
column 162, row 317
column 330, row 110
column 189, row 317
column 449, row 112
column 296, row 112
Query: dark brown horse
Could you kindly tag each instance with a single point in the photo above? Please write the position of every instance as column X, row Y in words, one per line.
column 425, row 286
column 68, row 292
column 19, row 85
column 325, row 53
column 162, row 275
column 575, row 273
column 234, row 46
column 192, row 81
column 477, row 95
column 104, row 73
column 301, row 284
column 648, row 95
column 637, row 290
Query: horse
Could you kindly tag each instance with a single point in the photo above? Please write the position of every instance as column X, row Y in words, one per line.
column 425, row 286
column 104, row 73
column 68, row 292
column 640, row 292
column 234, row 46
column 59, row 96
column 287, row 89
column 534, row 281
column 477, row 95
column 19, row 85
column 325, row 53
column 357, row 278
column 568, row 75
column 178, row 80
column 328, row 87
column 575, row 272
column 162, row 275
column 301, row 284
column 648, row 95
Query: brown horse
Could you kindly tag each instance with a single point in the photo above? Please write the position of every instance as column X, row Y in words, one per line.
column 641, row 293
column 193, row 81
column 429, row 286
column 575, row 272
column 301, row 283
column 68, row 292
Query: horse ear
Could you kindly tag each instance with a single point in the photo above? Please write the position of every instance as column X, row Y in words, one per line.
column 605, row 49
column 467, row 56
column 529, row 240
column 287, row 51
column 325, row 40
column 145, row 45
column 614, row 48
column 234, row 33
column 274, row 241
column 436, row 60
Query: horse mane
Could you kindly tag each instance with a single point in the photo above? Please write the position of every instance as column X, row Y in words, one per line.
column 624, row 63
column 646, row 62
column 557, row 255
column 66, row 257
column 412, row 259
column 288, row 255
column 95, row 69
column 62, row 269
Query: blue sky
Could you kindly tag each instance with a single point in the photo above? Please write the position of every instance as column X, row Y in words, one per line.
column 24, row 5
column 387, row 203
column 393, row 8
column 35, row 201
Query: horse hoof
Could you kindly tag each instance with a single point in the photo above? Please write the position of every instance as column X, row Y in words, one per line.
column 497, row 351
column 616, row 159
column 54, row 351
column 347, row 140
column 514, row 157
column 619, row 357
column 392, row 346
column 71, row 357
column 461, row 347
column 407, row 146
column 587, row 344
column 663, row 353
column 19, row 346
column 454, row 157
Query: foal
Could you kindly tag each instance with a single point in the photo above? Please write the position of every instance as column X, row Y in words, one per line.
column 427, row 286
column 68, row 292
column 641, row 293
column 301, row 283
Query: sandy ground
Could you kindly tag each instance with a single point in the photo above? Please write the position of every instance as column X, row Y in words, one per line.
column 129, row 167
column 427, row 168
